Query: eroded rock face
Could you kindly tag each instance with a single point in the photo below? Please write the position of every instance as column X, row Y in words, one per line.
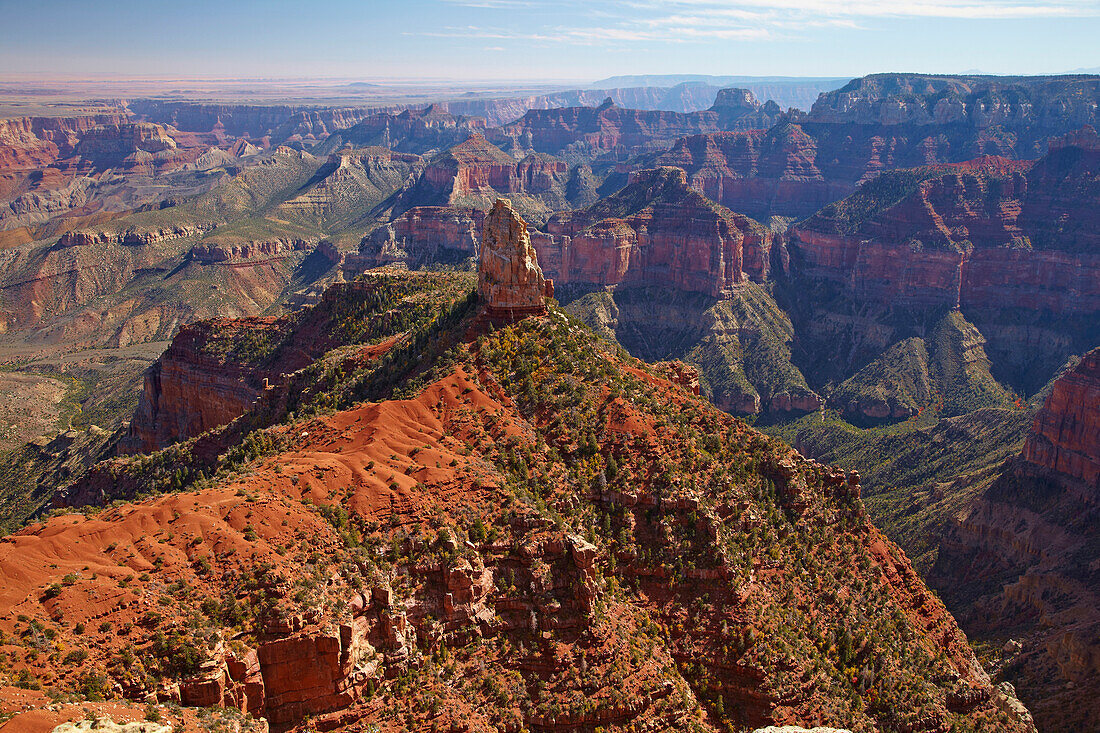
column 510, row 281
column 422, row 235
column 1065, row 436
column 656, row 231
column 191, row 388
column 986, row 234
column 1024, row 556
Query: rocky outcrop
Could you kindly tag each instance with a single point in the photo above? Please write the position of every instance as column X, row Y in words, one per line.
column 192, row 388
column 739, row 109
column 211, row 254
column 509, row 280
column 656, row 231
column 1065, row 436
column 132, row 235
column 106, row 725
column 420, row 236
column 797, row 729
column 313, row 672
column 978, row 235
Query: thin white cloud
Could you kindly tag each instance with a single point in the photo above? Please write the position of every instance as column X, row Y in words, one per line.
column 889, row 8
column 686, row 21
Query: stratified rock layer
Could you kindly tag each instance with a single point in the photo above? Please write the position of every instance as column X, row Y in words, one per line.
column 656, row 231
column 985, row 234
column 1065, row 436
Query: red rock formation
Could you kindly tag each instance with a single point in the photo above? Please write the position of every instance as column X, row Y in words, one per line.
column 192, row 388
column 656, row 231
column 1065, row 436
column 475, row 173
column 131, row 235
column 310, row 672
column 758, row 172
column 209, row 254
column 421, row 235
column 477, row 166
column 509, row 280
column 989, row 233
column 36, row 142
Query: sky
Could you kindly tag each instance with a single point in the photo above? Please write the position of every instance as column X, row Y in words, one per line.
column 582, row 40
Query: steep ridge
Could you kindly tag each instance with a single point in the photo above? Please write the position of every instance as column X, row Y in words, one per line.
column 656, row 235
column 347, row 189
column 1023, row 559
column 648, row 562
column 740, row 345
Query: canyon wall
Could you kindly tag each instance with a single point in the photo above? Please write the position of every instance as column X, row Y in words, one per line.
column 192, row 388
column 589, row 132
column 1024, row 557
column 656, row 231
column 36, row 142
column 1065, row 436
column 977, row 235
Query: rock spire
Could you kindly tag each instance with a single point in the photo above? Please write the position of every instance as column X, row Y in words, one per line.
column 510, row 281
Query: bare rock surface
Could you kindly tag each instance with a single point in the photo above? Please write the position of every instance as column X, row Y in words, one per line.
column 510, row 280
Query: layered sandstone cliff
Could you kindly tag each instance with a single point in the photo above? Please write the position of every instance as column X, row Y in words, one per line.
column 192, row 387
column 422, row 235
column 1024, row 557
column 978, row 235
column 35, row 142
column 760, row 172
column 656, row 231
column 474, row 173
column 1065, row 437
